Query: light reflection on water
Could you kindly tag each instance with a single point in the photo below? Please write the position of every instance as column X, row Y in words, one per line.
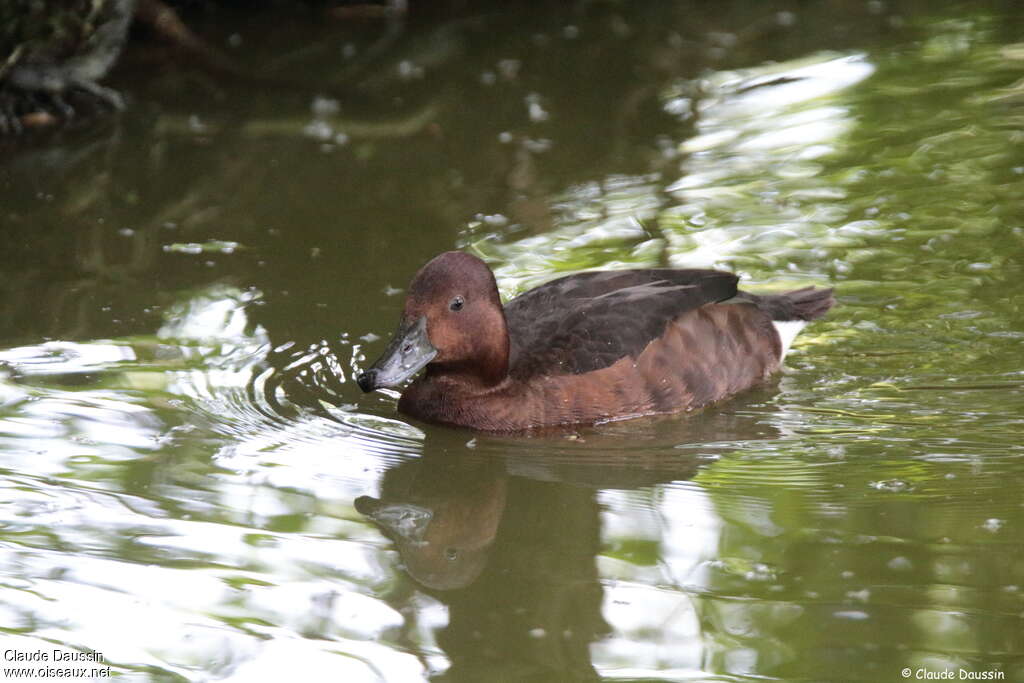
column 210, row 501
column 751, row 184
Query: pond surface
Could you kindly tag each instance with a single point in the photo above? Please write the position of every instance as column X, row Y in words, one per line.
column 192, row 485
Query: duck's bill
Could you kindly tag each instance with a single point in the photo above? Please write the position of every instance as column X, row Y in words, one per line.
column 406, row 520
column 409, row 351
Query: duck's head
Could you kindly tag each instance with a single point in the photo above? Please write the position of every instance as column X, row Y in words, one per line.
column 453, row 323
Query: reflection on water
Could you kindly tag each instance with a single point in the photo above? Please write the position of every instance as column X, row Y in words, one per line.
column 752, row 180
column 191, row 483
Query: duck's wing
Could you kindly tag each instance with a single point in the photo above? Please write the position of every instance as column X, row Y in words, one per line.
column 588, row 321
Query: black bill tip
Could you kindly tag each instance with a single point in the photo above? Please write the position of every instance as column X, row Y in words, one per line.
column 367, row 381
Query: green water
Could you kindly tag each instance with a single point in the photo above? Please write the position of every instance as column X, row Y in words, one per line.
column 189, row 477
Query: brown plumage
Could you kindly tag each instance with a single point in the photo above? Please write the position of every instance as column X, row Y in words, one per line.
column 582, row 349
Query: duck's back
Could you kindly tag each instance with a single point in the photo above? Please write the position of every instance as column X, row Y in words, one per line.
column 585, row 322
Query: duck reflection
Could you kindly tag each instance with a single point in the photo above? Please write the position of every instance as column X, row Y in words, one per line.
column 507, row 536
column 443, row 517
column 512, row 558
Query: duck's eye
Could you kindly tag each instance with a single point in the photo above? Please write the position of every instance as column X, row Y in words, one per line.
column 457, row 303
column 451, row 554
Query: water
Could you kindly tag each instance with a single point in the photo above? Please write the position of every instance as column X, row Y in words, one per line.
column 193, row 485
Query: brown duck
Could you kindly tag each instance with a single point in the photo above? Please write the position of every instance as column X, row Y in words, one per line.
column 582, row 349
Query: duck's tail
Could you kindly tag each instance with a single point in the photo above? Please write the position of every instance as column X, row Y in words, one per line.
column 791, row 311
column 806, row 304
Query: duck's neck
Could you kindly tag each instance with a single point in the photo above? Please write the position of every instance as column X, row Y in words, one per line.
column 454, row 398
column 485, row 370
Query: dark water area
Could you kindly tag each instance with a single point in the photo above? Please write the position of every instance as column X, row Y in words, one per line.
column 192, row 484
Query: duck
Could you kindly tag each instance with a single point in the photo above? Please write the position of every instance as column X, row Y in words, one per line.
column 584, row 349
